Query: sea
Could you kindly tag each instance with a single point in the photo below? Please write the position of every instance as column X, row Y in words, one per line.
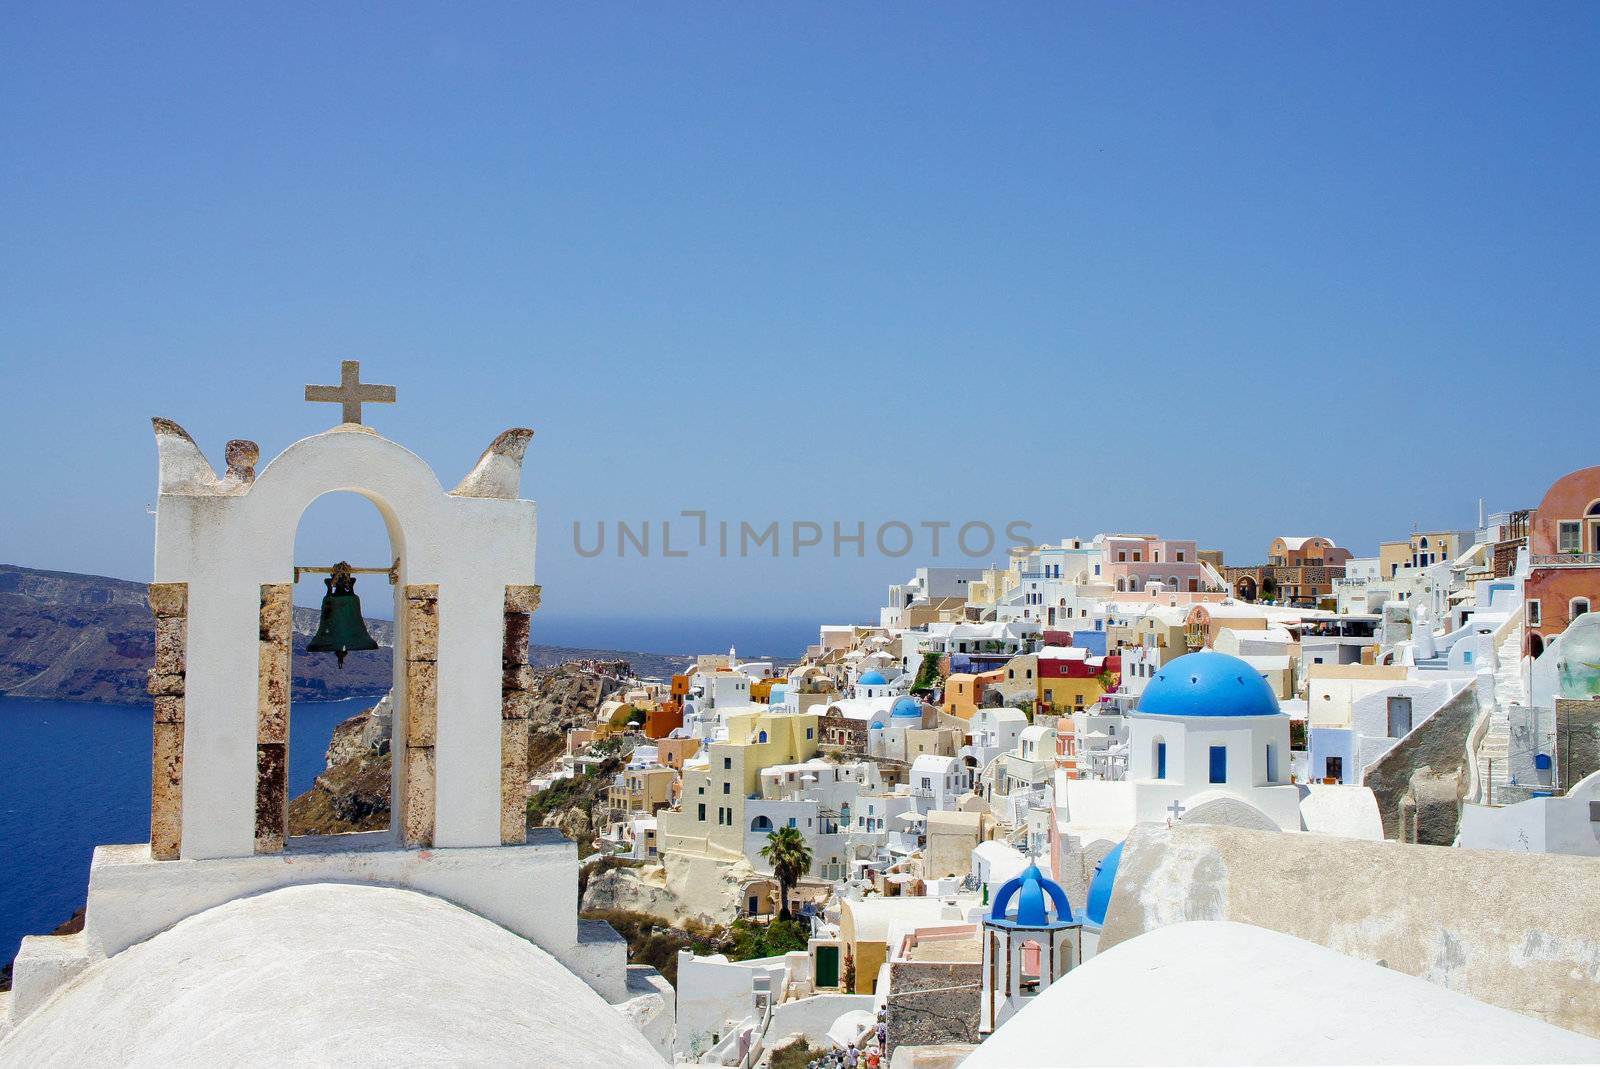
column 74, row 775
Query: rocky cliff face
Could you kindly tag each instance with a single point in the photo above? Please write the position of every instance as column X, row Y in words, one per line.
column 352, row 794
column 73, row 637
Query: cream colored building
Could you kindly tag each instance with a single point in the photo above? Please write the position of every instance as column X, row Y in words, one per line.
column 710, row 820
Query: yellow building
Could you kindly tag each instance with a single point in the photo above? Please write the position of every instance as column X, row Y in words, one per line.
column 642, row 790
column 710, row 819
column 866, row 925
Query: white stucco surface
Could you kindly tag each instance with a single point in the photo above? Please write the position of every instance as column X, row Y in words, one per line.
column 326, row 975
column 1221, row 993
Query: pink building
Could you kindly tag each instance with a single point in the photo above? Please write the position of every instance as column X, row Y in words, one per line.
column 1132, row 562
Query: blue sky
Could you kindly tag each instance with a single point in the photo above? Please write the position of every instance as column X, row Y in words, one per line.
column 1218, row 271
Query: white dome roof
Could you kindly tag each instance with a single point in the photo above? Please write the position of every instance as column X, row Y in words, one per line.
column 323, row 975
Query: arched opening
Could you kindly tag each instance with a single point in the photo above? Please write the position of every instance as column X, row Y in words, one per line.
column 350, row 527
column 761, row 823
column 1246, row 588
column 1535, row 644
column 1032, row 955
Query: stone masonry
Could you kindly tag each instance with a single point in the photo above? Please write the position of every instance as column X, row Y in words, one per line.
column 933, row 1002
column 516, row 703
column 272, row 718
column 422, row 712
column 170, row 604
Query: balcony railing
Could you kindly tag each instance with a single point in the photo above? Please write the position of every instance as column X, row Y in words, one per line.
column 1566, row 560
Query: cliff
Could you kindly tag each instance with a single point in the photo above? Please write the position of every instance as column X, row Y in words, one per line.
column 352, row 794
column 72, row 637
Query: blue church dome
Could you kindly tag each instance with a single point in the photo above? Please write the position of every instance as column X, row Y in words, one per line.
column 1031, row 890
column 1208, row 683
column 906, row 709
column 1105, row 876
column 872, row 678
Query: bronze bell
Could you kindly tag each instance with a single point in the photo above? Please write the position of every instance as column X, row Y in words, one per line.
column 341, row 628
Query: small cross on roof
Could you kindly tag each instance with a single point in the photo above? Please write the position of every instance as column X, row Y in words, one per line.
column 351, row 392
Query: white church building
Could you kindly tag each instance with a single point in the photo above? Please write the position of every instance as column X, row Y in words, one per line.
column 1208, row 743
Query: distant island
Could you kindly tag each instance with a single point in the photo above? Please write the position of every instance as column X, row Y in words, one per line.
column 66, row 636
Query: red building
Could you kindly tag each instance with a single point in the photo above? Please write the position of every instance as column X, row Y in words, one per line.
column 1564, row 546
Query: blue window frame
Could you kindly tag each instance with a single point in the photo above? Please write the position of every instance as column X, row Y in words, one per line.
column 1161, row 760
column 1219, row 764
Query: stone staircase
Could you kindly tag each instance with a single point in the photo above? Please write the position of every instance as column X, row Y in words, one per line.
column 1494, row 751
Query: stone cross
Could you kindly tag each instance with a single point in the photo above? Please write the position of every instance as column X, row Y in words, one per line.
column 1176, row 809
column 351, row 392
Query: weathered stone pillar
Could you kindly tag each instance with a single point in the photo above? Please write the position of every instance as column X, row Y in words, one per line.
column 516, row 703
column 272, row 717
column 170, row 604
column 421, row 627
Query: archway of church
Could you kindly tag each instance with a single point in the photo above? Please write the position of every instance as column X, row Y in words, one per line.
column 1246, row 589
column 338, row 527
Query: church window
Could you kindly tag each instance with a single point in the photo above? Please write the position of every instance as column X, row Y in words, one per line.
column 1219, row 764
column 1161, row 760
column 761, row 737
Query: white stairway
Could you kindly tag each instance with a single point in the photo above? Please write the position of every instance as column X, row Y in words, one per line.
column 1494, row 751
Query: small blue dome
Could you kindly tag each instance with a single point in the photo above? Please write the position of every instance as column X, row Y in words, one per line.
column 1208, row 683
column 872, row 678
column 906, row 709
column 1105, row 875
column 1031, row 889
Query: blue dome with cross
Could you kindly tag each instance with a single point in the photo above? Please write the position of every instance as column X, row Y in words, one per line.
column 872, row 678
column 1208, row 683
column 1037, row 897
column 906, row 709
column 1105, row 878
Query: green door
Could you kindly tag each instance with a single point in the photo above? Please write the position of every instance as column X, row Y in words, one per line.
column 827, row 966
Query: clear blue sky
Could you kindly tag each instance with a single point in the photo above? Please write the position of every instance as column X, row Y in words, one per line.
column 1213, row 271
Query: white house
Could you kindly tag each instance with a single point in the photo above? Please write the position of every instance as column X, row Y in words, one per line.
column 937, row 782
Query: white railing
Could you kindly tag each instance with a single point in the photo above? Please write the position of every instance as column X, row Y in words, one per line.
column 1565, row 560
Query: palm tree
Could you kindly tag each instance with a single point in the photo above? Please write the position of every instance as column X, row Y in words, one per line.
column 786, row 851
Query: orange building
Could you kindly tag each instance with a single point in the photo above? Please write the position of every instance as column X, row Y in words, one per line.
column 674, row 752
column 1564, row 557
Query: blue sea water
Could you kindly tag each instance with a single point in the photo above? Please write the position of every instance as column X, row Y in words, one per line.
column 74, row 775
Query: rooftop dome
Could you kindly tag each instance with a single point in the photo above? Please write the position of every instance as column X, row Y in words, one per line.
column 1208, row 683
column 906, row 708
column 328, row 974
column 872, row 678
column 1031, row 889
column 1105, row 877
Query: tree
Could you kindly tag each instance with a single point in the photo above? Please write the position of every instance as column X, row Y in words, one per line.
column 786, row 851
